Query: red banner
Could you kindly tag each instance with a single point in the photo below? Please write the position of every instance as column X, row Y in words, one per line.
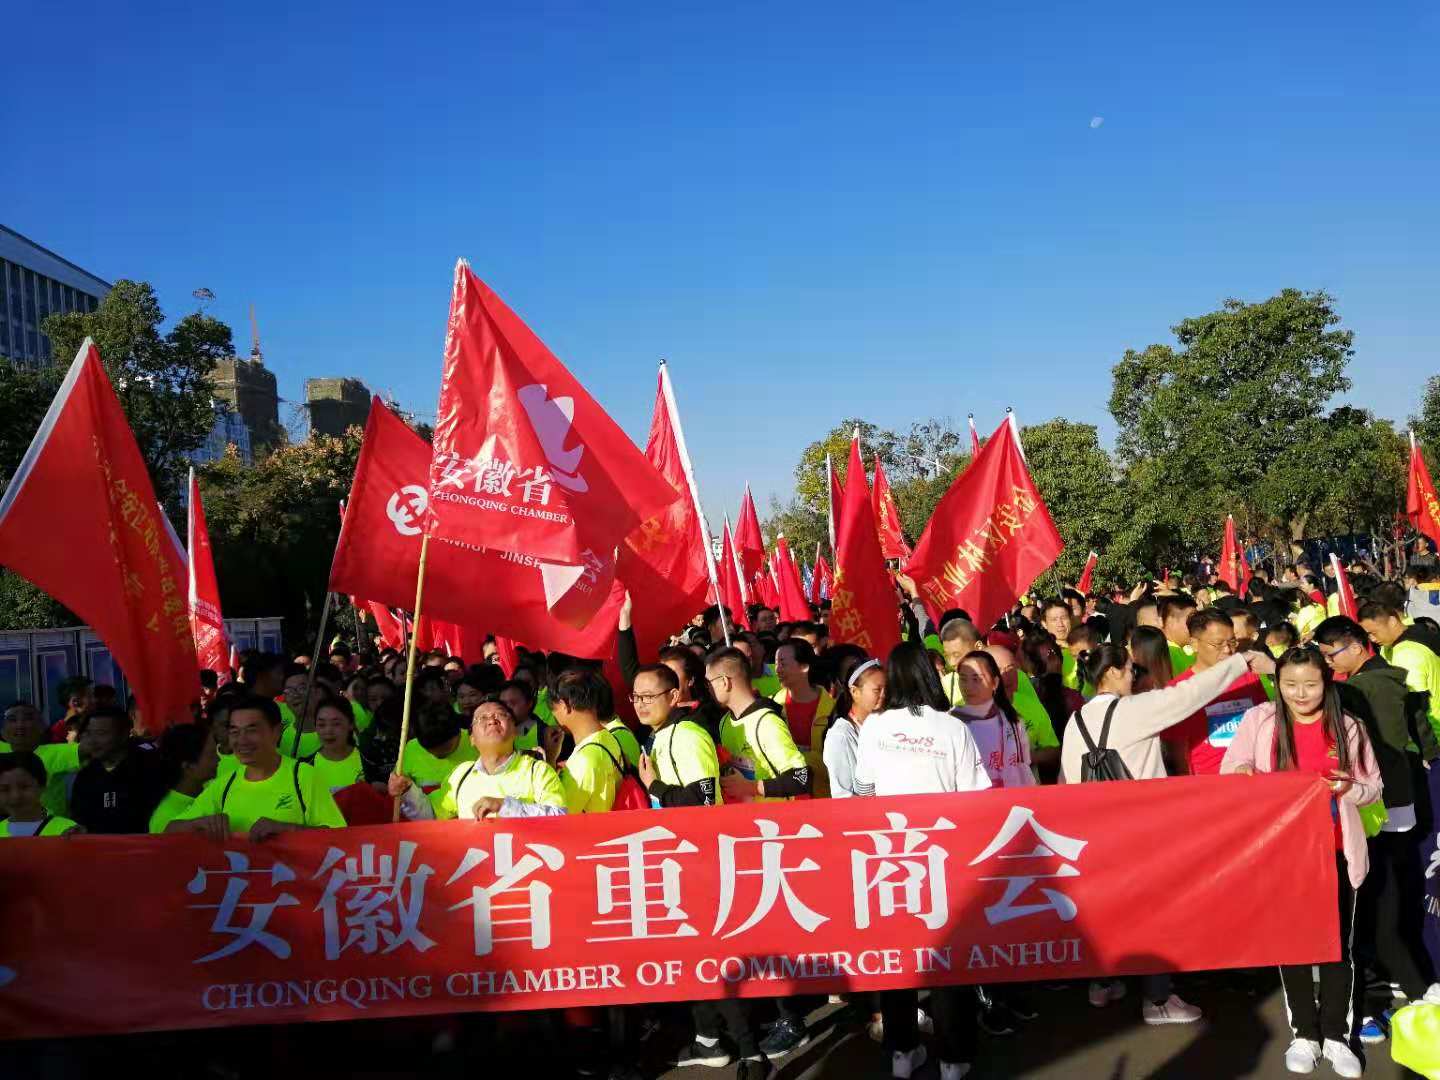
column 887, row 517
column 207, row 626
column 863, row 606
column 1088, row 574
column 989, row 538
column 732, row 582
column 1421, row 505
column 793, row 605
column 80, row 521
column 748, row 542
column 1043, row 883
column 1234, row 569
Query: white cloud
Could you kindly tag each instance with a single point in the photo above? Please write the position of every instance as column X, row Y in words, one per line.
column 1096, row 121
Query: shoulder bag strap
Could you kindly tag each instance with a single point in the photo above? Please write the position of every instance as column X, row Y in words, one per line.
column 1105, row 730
column 225, row 793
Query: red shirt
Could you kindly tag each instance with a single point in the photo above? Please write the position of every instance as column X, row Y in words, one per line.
column 1315, row 753
column 800, row 715
column 1207, row 733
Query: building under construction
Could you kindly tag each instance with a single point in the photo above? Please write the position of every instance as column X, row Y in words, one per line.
column 336, row 404
column 248, row 387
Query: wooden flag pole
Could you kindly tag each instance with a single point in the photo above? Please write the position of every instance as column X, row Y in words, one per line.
column 410, row 663
column 310, row 677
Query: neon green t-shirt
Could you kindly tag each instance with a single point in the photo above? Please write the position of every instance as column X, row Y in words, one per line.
column 429, row 771
column 1069, row 669
column 760, row 744
column 629, row 745
column 59, row 759
column 363, row 716
column 683, row 753
column 543, row 711
column 309, row 741
column 522, row 778
column 1037, row 721
column 339, row 774
column 590, row 778
column 767, row 685
column 171, row 806
column 292, row 794
column 529, row 739
column 1422, row 673
column 225, row 765
column 56, row 826
column 1180, row 660
column 951, row 683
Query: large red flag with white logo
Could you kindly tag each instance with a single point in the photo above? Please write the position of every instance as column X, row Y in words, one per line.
column 1421, row 505
column 793, row 605
column 207, row 626
column 664, row 563
column 733, row 592
column 989, row 538
column 863, row 606
column 887, row 517
column 80, row 520
column 1234, row 568
column 749, row 543
column 378, row 557
column 524, row 459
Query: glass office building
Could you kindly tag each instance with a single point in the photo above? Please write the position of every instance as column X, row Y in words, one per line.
column 34, row 283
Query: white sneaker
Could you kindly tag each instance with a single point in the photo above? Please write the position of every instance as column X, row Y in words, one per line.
column 904, row 1065
column 1170, row 1011
column 1432, row 996
column 1303, row 1056
column 924, row 1023
column 1342, row 1059
column 1104, row 993
column 954, row 1072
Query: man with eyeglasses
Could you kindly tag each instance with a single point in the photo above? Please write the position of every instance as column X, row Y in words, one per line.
column 681, row 767
column 1390, row 912
column 1201, row 740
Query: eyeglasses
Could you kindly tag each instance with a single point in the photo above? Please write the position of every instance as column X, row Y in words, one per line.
column 646, row 699
column 1333, row 653
column 718, row 678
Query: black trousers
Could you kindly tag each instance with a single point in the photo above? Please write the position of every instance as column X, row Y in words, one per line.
column 1334, row 1016
column 726, row 1015
column 953, row 1010
column 1390, row 913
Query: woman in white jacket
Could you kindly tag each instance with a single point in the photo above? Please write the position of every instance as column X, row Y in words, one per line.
column 915, row 747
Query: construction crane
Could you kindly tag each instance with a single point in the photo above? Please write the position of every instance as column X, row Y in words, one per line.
column 255, row 353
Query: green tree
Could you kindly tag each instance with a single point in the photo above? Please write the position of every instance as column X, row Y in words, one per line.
column 163, row 381
column 274, row 526
column 1202, row 423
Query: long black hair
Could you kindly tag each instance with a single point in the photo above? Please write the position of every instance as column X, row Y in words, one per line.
column 911, row 681
column 1002, row 699
column 1101, row 660
column 1335, row 720
column 1150, row 649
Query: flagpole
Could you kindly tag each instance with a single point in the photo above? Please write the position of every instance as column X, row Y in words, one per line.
column 679, row 432
column 310, row 676
column 830, row 503
column 410, row 662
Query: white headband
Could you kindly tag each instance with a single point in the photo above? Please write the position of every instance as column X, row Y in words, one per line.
column 860, row 669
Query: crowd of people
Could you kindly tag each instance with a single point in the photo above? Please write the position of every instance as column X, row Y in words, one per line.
column 1172, row 678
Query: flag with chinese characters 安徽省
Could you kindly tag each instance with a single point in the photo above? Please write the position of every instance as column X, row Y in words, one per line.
column 378, row 557
column 989, row 538
column 524, row 460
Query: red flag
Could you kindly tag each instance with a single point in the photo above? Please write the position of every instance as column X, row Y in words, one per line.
column 1234, row 569
column 793, row 605
column 392, row 633
column 834, row 498
column 1088, row 573
column 524, row 459
column 767, row 584
column 732, row 585
column 664, row 564
column 887, row 517
column 863, row 608
column 1348, row 606
column 1421, row 505
column 570, row 609
column 80, row 521
column 989, row 538
column 974, row 438
column 823, row 583
column 507, row 654
column 748, row 540
column 207, row 627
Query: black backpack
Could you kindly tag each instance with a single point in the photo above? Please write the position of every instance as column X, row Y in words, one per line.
column 1100, row 762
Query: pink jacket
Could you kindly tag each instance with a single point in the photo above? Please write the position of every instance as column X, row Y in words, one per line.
column 1254, row 745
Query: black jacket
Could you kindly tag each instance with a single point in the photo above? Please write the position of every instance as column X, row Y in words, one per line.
column 1394, row 718
column 119, row 800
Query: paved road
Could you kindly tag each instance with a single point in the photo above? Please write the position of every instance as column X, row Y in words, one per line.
column 1242, row 1036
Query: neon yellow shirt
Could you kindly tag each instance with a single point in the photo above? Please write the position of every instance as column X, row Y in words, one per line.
column 683, row 753
column 339, row 774
column 225, row 765
column 815, row 752
column 1032, row 711
column 363, row 716
column 760, row 745
column 767, row 685
column 1422, row 673
column 629, row 745
column 1180, row 660
column 522, row 777
column 278, row 797
column 59, row 760
column 590, row 778
column 543, row 712
column 529, row 739
column 1069, row 670
column 1308, row 618
column 950, row 681
column 429, row 771
column 171, row 806
column 56, row 826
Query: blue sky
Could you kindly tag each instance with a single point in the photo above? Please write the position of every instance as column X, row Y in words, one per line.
column 814, row 211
